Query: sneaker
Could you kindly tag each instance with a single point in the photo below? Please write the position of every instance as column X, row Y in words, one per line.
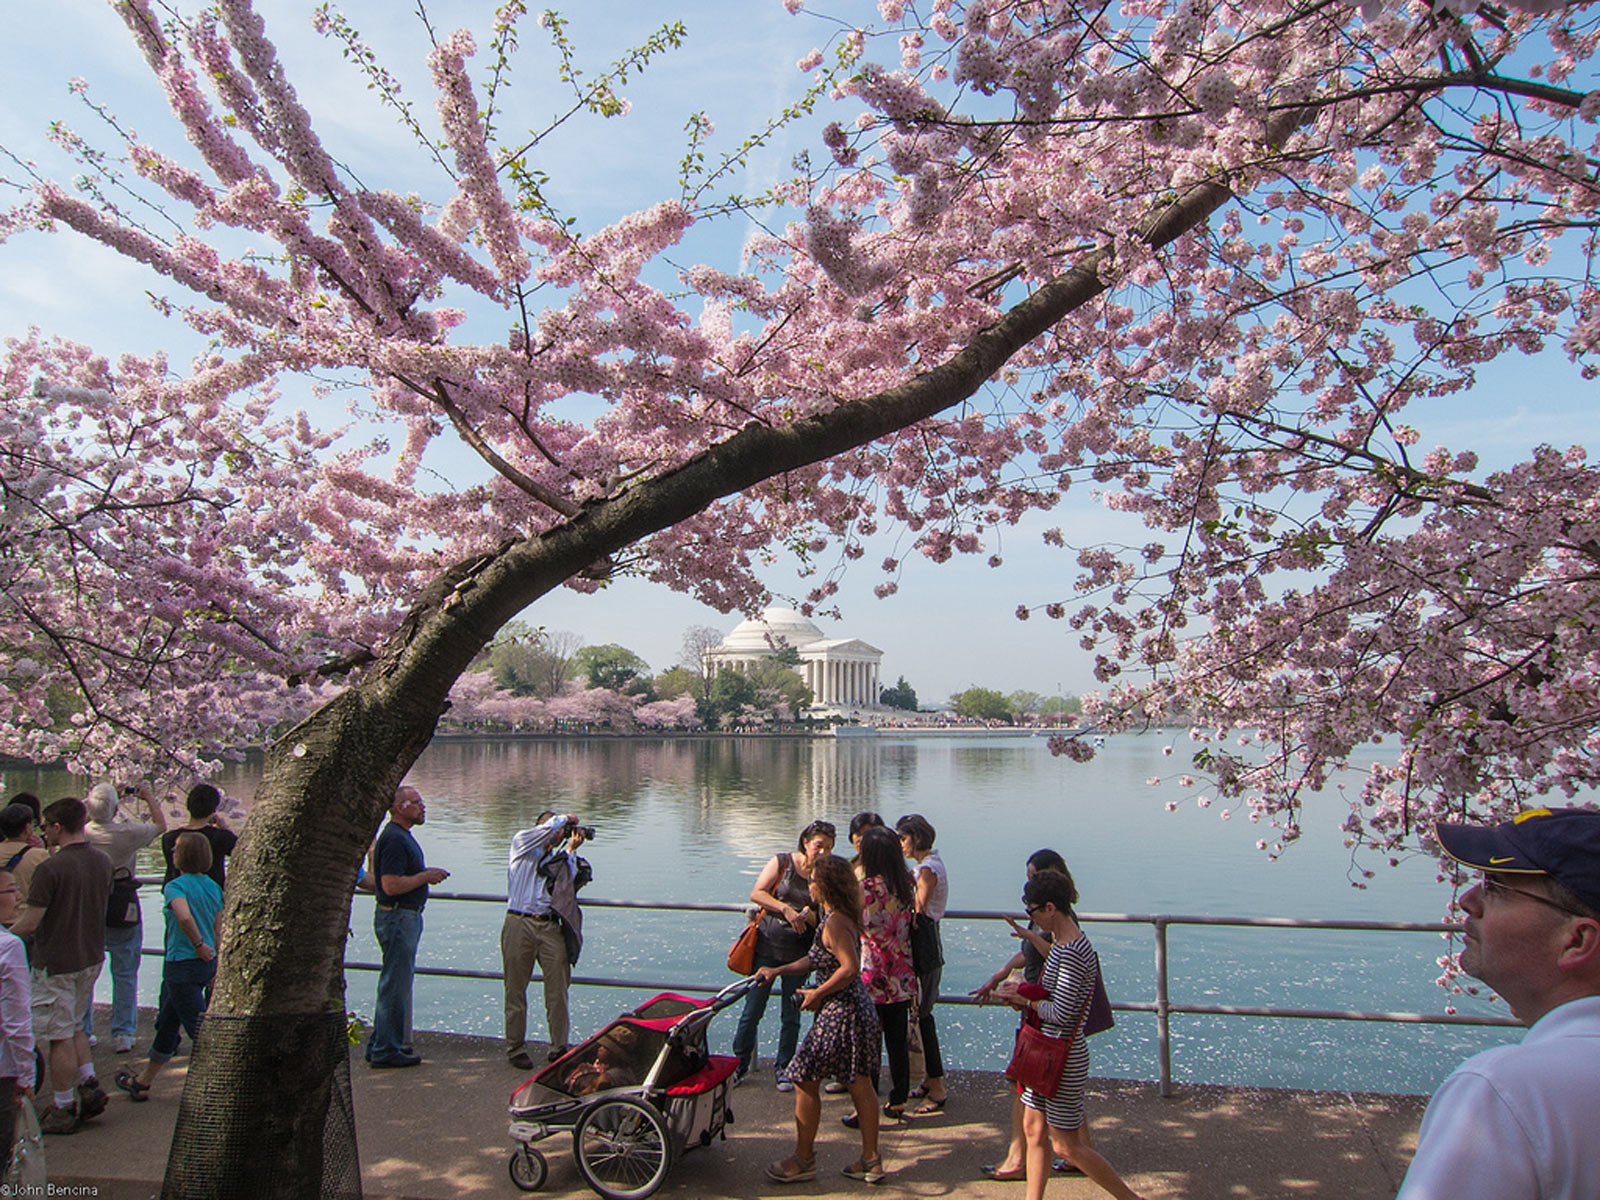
column 92, row 1100
column 123, row 1044
column 784, row 1085
column 834, row 1088
column 739, row 1075
column 59, row 1120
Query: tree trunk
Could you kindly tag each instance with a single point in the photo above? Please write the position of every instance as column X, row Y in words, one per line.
column 265, row 1106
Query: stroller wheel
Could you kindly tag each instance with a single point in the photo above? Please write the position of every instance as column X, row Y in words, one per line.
column 623, row 1148
column 528, row 1169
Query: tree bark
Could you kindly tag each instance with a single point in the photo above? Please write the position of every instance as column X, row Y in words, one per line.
column 257, row 1111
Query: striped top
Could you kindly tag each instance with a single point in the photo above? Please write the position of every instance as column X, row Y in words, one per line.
column 1069, row 974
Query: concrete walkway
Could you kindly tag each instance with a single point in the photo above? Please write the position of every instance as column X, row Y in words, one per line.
column 438, row 1132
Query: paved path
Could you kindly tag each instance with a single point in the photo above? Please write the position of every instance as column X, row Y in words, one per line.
column 437, row 1132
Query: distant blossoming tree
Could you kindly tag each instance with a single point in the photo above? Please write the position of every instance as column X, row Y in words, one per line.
column 1003, row 275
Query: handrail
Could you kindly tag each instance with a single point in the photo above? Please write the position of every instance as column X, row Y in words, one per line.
column 1162, row 1006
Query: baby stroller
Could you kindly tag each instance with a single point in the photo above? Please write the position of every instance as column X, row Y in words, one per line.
column 636, row 1095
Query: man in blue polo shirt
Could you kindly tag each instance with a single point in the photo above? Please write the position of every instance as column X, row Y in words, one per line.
column 1518, row 1122
column 402, row 890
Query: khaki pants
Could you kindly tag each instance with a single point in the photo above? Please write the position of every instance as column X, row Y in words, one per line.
column 524, row 941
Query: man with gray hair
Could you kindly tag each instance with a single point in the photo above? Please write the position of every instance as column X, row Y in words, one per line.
column 121, row 839
column 1518, row 1122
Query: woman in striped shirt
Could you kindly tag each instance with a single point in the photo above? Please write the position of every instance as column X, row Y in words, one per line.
column 1070, row 968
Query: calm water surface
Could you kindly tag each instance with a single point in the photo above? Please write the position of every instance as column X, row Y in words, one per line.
column 694, row 820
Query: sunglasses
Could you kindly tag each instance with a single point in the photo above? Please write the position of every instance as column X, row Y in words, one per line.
column 1502, row 891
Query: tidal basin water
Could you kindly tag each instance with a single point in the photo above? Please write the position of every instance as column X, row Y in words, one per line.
column 693, row 820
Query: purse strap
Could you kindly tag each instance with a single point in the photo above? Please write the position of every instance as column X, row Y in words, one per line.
column 1083, row 1016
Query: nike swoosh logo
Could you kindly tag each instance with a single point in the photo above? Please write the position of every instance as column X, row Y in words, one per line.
column 1494, row 862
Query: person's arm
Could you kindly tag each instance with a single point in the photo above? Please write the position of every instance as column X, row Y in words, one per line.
column 16, row 1023
column 1040, row 942
column 38, row 901
column 798, row 967
column 1015, row 962
column 158, row 816
column 530, row 843
column 399, row 885
column 191, row 929
column 844, row 939
column 761, row 896
column 926, row 882
column 28, row 921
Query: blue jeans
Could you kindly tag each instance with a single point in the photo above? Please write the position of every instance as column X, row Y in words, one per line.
column 398, row 931
column 183, row 999
column 755, row 1004
column 123, row 947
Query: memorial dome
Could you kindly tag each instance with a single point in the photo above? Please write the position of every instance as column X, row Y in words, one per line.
column 772, row 630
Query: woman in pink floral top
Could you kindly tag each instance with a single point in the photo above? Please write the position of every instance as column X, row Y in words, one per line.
column 886, row 951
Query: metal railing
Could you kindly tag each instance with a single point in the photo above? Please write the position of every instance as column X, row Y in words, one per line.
column 1162, row 1006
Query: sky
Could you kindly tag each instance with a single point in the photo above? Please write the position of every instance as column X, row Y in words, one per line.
column 950, row 626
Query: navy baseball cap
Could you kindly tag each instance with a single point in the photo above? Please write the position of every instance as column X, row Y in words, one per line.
column 1562, row 843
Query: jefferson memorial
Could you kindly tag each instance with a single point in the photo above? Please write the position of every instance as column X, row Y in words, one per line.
column 842, row 673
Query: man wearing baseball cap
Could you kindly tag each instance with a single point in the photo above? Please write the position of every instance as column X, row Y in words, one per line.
column 1522, row 1122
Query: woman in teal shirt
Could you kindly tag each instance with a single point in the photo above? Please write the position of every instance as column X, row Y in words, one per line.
column 193, row 906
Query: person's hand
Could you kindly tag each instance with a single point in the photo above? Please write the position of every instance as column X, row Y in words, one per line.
column 765, row 974
column 796, row 918
column 811, row 999
column 434, row 875
column 985, row 991
column 204, row 952
column 577, row 839
column 1006, row 993
column 23, row 1090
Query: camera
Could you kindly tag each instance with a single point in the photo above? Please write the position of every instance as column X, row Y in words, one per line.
column 586, row 830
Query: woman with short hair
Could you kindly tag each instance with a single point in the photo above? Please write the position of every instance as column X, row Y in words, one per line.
column 932, row 897
column 1070, row 970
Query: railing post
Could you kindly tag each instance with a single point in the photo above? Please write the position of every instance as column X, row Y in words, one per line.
column 1163, row 1010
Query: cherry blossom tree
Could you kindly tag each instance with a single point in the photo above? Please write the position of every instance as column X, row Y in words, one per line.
column 1203, row 255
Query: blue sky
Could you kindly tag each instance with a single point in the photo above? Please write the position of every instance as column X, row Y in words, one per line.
column 950, row 626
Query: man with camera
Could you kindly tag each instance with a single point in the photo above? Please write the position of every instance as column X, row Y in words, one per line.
column 544, row 925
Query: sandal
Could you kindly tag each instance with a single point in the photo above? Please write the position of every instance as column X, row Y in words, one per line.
column 1062, row 1166
column 129, row 1082
column 804, row 1169
column 929, row 1108
column 918, row 1092
column 994, row 1172
column 867, row 1170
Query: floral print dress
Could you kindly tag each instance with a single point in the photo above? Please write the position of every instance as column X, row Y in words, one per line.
column 886, row 945
column 843, row 1040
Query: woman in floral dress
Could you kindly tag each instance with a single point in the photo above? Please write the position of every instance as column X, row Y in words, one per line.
column 843, row 1041
column 886, row 954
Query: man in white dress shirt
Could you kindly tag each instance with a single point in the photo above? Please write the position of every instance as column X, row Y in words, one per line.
column 1519, row 1122
column 541, row 921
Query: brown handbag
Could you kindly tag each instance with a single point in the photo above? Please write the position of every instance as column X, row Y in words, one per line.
column 742, row 954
